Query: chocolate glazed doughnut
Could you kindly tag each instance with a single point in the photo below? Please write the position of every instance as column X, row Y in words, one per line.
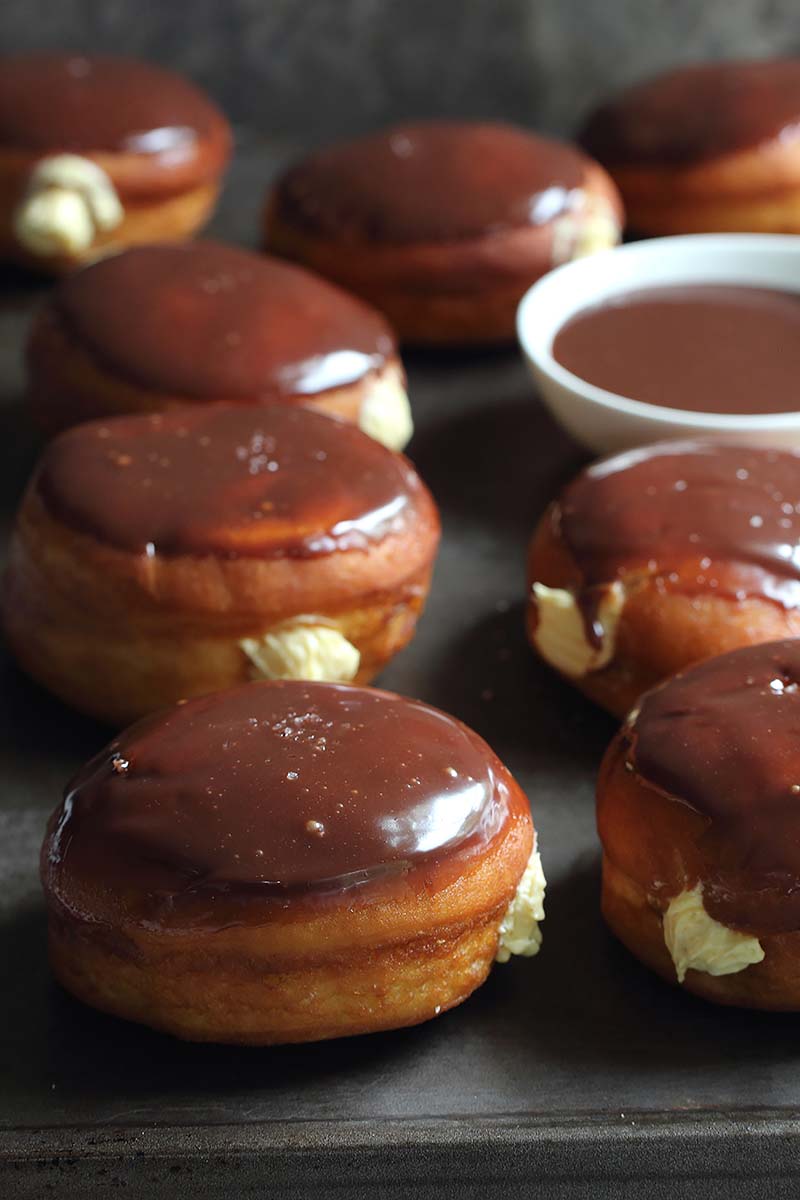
column 704, row 148
column 97, row 153
column 287, row 862
column 443, row 225
column 661, row 556
column 161, row 557
column 162, row 326
column 699, row 816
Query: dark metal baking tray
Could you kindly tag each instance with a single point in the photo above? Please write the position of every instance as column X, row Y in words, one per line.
column 572, row 1074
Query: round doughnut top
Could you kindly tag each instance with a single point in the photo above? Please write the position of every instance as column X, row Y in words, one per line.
column 724, row 738
column 56, row 102
column 431, row 182
column 280, row 787
column 205, row 321
column 704, row 516
column 267, row 482
column 696, row 113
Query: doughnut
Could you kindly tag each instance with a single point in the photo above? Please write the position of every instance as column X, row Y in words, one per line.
column 157, row 327
column 658, row 557
column 699, row 820
column 165, row 556
column 443, row 225
column 97, row 153
column 288, row 862
column 705, row 148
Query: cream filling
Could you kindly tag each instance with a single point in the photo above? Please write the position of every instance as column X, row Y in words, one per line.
column 519, row 929
column 303, row 650
column 697, row 942
column 560, row 635
column 68, row 200
column 385, row 414
column 584, row 231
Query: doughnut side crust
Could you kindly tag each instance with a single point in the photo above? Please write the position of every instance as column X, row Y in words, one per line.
column 171, row 219
column 68, row 385
column 650, row 855
column 754, row 190
column 160, row 203
column 117, row 634
column 658, row 632
column 462, row 290
column 306, row 972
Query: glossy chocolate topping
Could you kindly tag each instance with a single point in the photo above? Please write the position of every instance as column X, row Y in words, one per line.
column 272, row 789
column 266, row 483
column 696, row 113
column 718, row 348
column 68, row 102
column 703, row 517
column 435, row 181
column 206, row 321
column 724, row 738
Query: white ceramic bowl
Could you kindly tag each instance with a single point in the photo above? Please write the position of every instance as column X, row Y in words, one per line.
column 604, row 421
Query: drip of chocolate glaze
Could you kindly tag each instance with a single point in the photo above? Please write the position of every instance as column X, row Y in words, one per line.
column 723, row 737
column 701, row 517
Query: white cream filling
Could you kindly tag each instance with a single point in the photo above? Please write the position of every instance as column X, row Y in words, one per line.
column 385, row 413
column 303, row 650
column 519, row 929
column 697, row 942
column 68, row 200
column 560, row 634
column 583, row 231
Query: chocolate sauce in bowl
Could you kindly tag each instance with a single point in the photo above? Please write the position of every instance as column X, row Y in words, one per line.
column 715, row 348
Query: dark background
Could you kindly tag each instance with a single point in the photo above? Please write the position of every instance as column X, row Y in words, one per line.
column 306, row 70
column 575, row 1065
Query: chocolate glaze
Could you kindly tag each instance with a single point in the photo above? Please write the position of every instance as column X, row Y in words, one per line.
column 588, row 601
column 718, row 348
column 700, row 517
column 434, row 181
column 724, row 738
column 265, row 483
column 67, row 102
column 272, row 791
column 696, row 113
column 206, row 321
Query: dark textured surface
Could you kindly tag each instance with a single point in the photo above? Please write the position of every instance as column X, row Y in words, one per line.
column 571, row 1066
column 318, row 68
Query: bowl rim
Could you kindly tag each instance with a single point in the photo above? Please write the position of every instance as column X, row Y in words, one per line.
column 544, row 364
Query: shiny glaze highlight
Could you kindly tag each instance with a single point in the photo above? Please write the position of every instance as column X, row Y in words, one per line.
column 273, row 791
column 431, row 182
column 205, row 321
column 60, row 102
